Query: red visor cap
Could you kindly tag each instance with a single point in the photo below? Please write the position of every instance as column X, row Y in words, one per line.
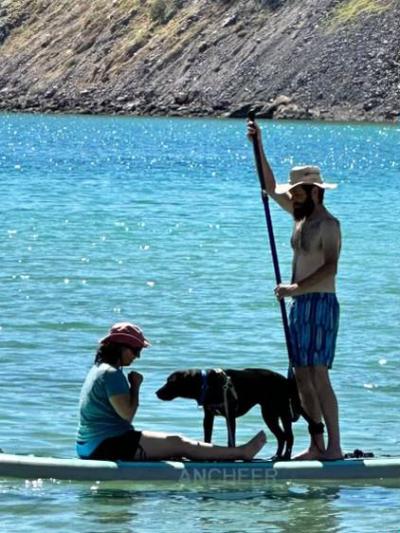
column 128, row 334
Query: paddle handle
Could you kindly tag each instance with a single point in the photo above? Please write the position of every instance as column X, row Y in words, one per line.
column 274, row 253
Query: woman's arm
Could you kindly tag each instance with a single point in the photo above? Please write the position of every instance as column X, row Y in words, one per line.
column 126, row 405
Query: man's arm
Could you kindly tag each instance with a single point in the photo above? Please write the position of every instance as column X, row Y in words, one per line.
column 268, row 178
column 330, row 237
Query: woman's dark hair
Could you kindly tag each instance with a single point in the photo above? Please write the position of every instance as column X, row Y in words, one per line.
column 109, row 353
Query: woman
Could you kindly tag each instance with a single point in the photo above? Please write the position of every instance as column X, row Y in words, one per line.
column 109, row 402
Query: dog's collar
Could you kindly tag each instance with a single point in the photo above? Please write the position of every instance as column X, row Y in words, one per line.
column 204, row 387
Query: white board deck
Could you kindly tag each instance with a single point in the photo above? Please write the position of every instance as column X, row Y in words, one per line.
column 31, row 467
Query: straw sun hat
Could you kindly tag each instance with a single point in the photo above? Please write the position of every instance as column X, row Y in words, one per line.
column 306, row 175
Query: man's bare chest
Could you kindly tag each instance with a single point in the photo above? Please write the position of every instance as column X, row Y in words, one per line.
column 306, row 236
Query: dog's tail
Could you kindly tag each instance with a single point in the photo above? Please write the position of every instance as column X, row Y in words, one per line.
column 294, row 399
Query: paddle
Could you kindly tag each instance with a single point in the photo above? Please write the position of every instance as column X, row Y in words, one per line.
column 297, row 409
column 278, row 279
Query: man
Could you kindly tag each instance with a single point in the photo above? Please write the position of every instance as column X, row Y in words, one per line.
column 314, row 312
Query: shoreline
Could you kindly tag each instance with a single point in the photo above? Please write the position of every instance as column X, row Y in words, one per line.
column 121, row 114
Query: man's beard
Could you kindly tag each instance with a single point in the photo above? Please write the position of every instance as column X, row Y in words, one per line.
column 303, row 210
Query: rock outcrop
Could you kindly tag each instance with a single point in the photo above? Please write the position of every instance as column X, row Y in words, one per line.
column 325, row 59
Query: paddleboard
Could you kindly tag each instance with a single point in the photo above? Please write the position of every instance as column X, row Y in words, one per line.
column 32, row 467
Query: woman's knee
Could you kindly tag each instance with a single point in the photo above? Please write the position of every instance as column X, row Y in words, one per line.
column 162, row 445
column 176, row 443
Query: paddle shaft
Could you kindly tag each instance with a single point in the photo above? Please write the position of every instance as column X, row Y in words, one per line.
column 264, row 196
column 314, row 427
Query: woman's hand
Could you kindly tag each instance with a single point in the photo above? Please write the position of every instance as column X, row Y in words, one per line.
column 126, row 405
column 135, row 379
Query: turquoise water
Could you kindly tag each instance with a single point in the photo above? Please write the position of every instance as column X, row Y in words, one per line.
column 160, row 221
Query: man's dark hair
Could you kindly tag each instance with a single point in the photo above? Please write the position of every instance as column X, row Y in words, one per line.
column 109, row 353
column 308, row 187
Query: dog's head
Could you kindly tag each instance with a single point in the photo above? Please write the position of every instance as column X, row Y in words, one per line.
column 181, row 384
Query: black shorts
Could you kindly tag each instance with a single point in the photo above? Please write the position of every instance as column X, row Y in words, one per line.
column 120, row 448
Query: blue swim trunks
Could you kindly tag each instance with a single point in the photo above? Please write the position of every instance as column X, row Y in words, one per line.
column 313, row 324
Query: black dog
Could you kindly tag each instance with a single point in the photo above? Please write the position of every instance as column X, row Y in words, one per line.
column 232, row 393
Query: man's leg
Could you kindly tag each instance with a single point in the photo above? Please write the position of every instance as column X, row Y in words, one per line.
column 330, row 412
column 310, row 402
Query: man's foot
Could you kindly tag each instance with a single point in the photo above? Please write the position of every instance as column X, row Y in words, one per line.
column 314, row 452
column 332, row 455
column 254, row 445
column 311, row 454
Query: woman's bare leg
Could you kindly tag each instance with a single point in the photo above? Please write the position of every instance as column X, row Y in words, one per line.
column 158, row 446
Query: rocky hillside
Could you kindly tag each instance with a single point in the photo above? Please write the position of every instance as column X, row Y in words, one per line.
column 326, row 59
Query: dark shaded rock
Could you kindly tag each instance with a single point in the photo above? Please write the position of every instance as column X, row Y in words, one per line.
column 230, row 21
column 181, row 98
column 243, row 110
column 202, row 47
column 221, row 106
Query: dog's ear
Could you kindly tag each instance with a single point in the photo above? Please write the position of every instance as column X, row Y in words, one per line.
column 172, row 377
column 189, row 373
column 178, row 375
